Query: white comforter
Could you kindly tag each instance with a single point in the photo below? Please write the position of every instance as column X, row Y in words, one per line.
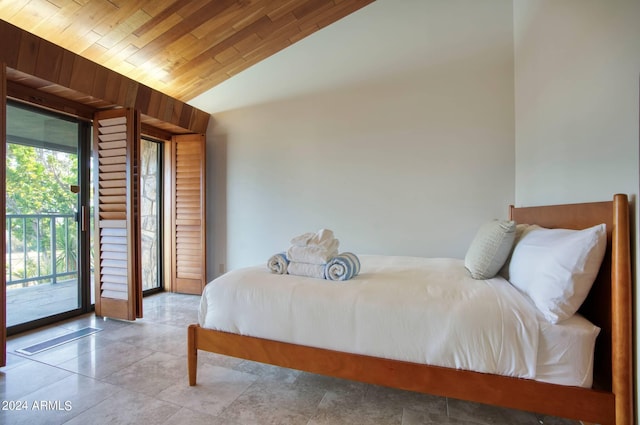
column 424, row 310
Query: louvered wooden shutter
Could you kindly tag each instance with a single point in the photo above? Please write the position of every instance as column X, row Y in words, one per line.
column 117, row 237
column 188, row 268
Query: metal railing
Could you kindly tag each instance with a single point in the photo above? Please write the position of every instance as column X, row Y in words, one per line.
column 41, row 248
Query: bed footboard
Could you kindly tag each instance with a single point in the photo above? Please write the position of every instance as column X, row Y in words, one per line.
column 524, row 394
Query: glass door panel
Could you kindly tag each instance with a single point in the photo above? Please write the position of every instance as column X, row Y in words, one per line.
column 42, row 208
column 150, row 209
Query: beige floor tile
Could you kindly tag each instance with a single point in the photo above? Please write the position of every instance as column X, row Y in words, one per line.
column 270, row 399
column 217, row 388
column 127, row 407
column 13, row 360
column 191, row 417
column 59, row 401
column 351, row 410
column 488, row 415
column 151, row 374
column 412, row 417
column 153, row 336
column 111, row 358
column 28, row 377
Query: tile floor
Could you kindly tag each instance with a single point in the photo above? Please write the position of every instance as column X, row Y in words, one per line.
column 135, row 373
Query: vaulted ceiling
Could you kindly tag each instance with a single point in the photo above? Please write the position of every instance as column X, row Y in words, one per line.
column 180, row 48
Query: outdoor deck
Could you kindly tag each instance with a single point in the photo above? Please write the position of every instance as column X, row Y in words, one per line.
column 27, row 304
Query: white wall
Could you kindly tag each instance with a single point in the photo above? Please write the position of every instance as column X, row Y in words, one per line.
column 577, row 72
column 408, row 163
column 577, row 67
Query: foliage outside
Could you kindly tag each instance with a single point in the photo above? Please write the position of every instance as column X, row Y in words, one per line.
column 38, row 180
column 37, row 183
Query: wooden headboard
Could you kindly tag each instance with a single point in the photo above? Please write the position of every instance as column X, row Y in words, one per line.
column 609, row 304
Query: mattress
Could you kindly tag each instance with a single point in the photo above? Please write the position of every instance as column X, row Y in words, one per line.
column 421, row 310
column 565, row 351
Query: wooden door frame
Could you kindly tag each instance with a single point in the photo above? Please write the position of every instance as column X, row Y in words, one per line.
column 3, row 194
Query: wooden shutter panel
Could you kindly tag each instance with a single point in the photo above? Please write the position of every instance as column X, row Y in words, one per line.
column 188, row 235
column 116, row 135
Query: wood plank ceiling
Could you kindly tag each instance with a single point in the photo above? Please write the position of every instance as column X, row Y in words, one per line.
column 180, row 48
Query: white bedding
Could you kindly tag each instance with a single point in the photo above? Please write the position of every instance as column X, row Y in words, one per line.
column 565, row 351
column 422, row 310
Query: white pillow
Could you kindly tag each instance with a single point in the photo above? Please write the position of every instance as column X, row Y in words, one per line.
column 490, row 248
column 520, row 228
column 556, row 267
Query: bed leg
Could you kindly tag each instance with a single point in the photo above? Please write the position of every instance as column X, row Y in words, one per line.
column 192, row 354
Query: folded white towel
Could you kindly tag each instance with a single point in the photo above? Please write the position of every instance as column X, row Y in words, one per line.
column 322, row 238
column 278, row 263
column 303, row 239
column 306, row 269
column 313, row 254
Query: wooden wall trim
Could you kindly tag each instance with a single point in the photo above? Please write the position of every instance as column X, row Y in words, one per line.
column 3, row 248
column 50, row 101
column 31, row 55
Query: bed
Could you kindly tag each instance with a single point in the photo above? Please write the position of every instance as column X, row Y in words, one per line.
column 607, row 398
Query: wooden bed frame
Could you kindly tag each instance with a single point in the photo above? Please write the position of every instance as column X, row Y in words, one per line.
column 609, row 306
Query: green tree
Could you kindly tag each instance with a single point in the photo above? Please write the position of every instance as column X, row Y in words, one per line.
column 38, row 180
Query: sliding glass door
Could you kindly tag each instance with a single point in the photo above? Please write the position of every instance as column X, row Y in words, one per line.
column 47, row 270
column 151, row 214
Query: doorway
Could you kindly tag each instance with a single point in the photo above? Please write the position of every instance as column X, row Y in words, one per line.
column 151, row 187
column 48, row 270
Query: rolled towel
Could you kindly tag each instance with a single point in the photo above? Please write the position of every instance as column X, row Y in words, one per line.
column 313, row 254
column 306, row 269
column 342, row 267
column 278, row 263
